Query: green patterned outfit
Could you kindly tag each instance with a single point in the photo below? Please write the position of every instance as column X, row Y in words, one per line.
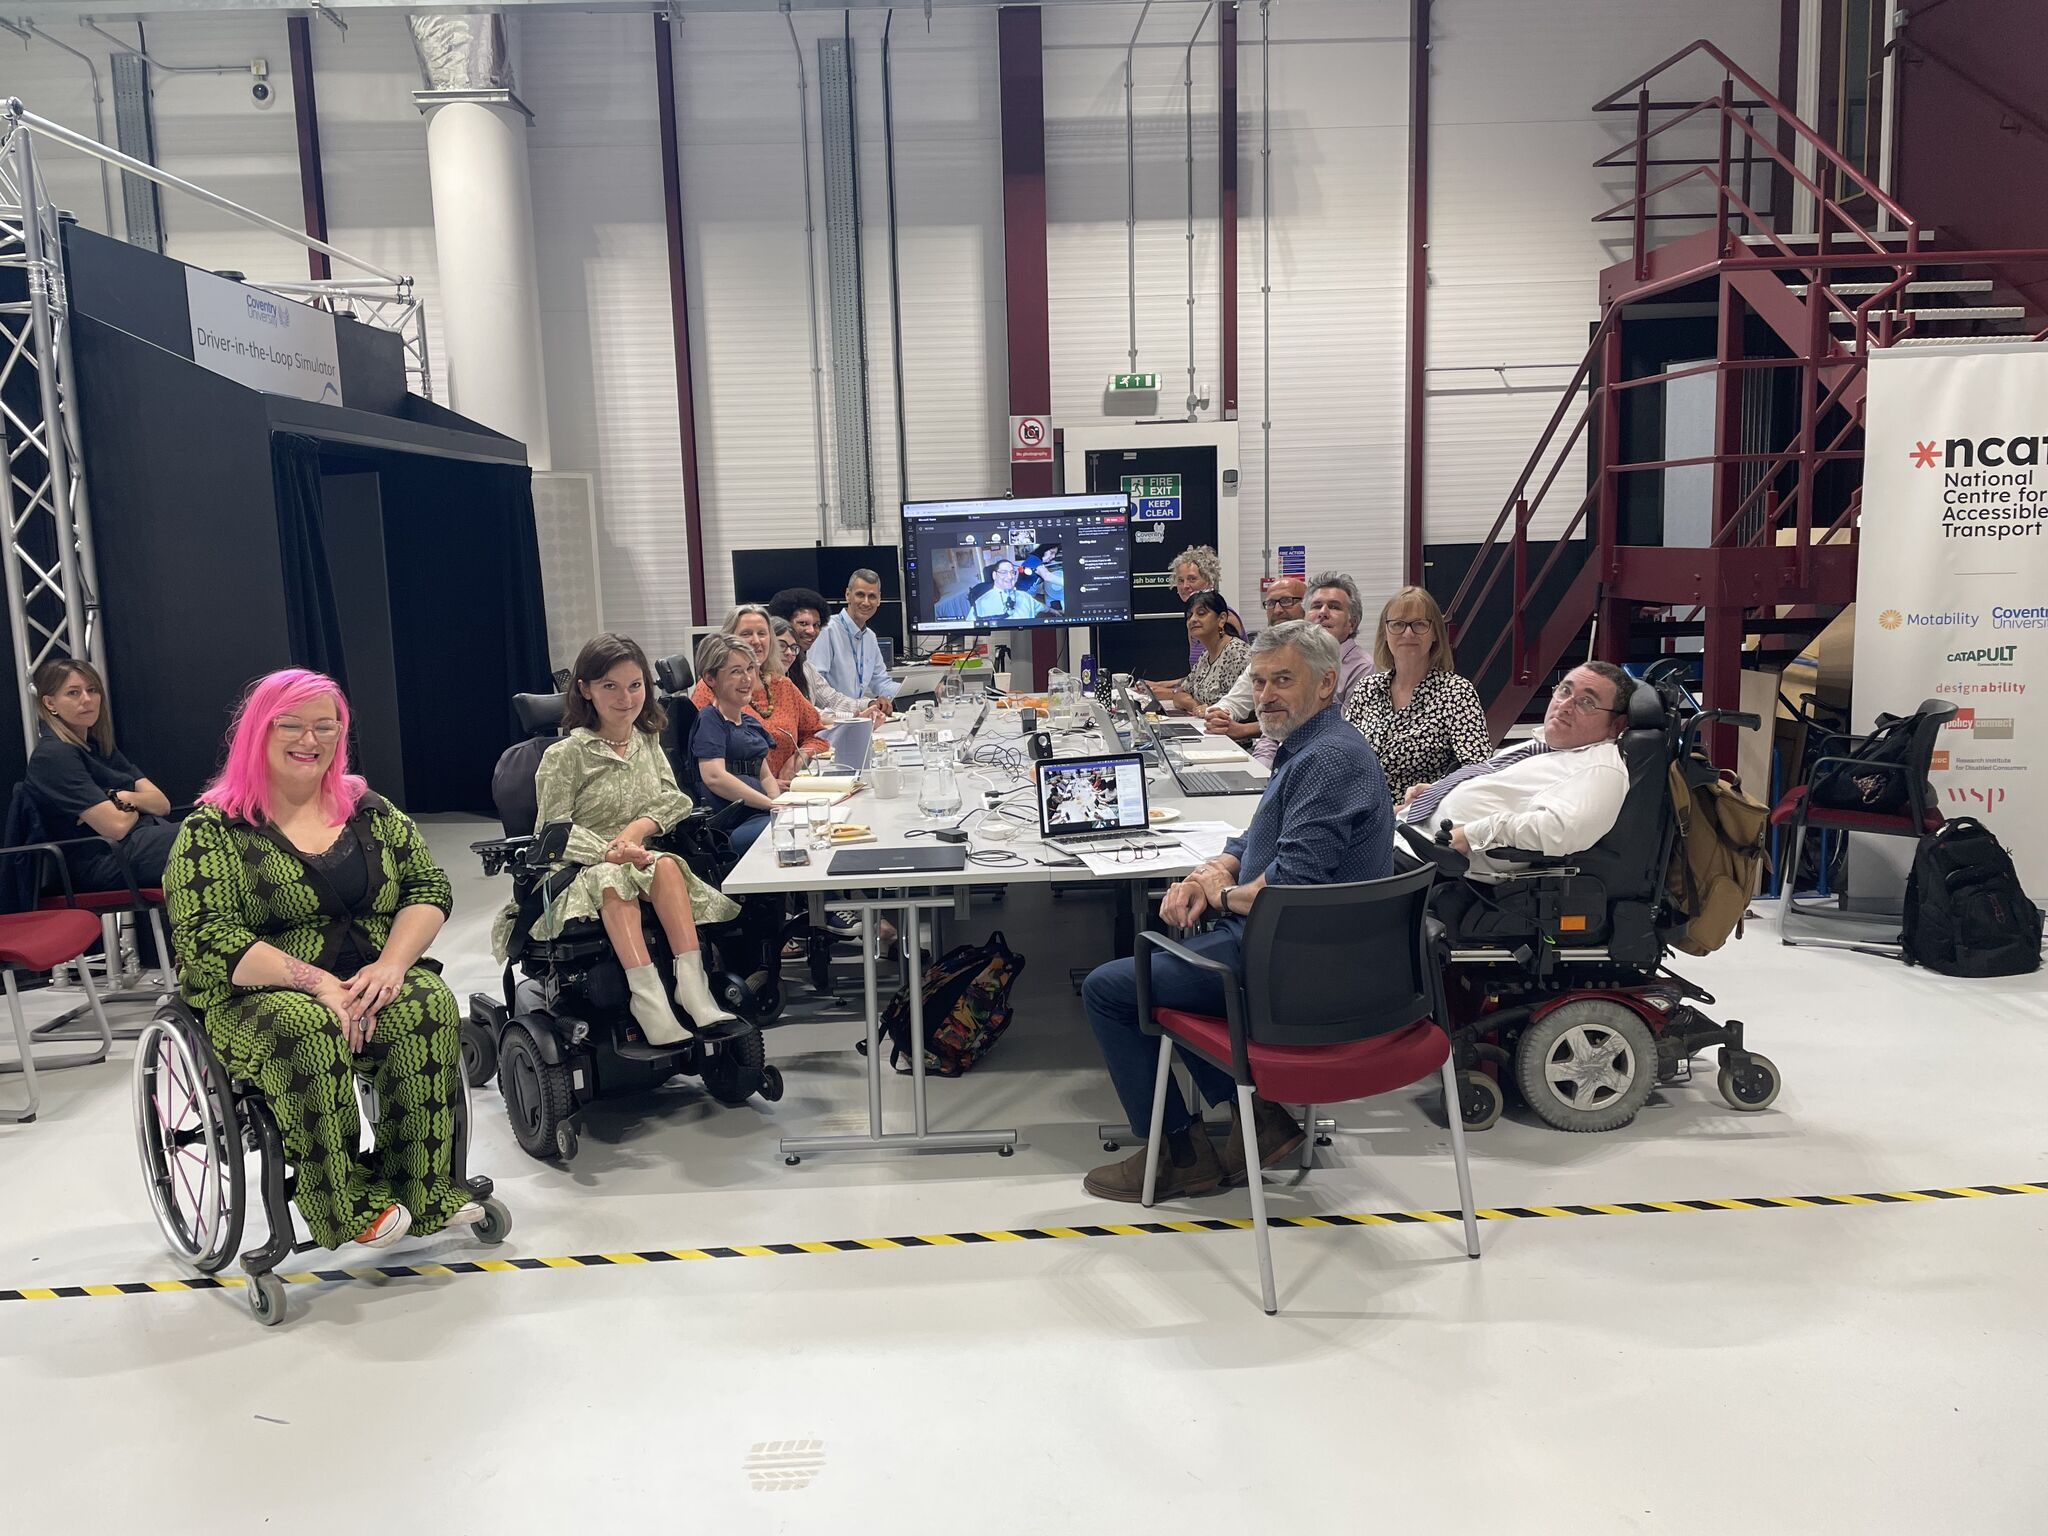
column 231, row 883
column 584, row 782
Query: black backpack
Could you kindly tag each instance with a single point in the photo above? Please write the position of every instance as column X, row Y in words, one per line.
column 966, row 996
column 1874, row 780
column 1965, row 912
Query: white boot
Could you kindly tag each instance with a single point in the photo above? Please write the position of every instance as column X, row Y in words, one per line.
column 651, row 1011
column 693, row 992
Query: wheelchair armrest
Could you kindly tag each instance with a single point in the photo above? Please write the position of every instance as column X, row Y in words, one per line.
column 500, row 854
column 1448, row 860
column 1534, row 860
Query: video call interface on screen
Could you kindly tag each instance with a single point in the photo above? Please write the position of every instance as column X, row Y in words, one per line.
column 1017, row 564
column 1105, row 795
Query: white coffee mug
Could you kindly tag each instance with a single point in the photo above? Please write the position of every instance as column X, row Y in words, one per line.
column 887, row 778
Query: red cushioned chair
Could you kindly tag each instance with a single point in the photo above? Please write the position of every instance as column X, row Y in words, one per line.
column 41, row 941
column 1796, row 812
column 1338, row 999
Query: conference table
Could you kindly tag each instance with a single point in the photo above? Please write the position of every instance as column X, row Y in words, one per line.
column 997, row 765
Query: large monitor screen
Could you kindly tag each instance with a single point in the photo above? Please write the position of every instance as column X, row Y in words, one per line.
column 1017, row 563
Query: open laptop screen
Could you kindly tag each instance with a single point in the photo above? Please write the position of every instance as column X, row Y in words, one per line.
column 1082, row 795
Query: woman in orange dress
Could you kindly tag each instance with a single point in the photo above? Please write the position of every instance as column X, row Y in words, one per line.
column 791, row 720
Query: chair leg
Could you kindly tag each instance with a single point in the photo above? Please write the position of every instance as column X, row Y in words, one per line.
column 1788, row 878
column 1457, row 1120
column 1308, row 1140
column 28, row 1058
column 1152, row 1136
column 1256, row 1182
column 163, row 948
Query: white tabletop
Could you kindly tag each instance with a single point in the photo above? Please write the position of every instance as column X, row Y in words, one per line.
column 758, row 871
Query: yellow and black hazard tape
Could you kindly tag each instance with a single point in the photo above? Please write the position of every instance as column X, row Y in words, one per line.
column 1018, row 1235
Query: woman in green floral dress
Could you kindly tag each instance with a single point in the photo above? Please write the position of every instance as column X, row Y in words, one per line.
column 301, row 905
column 610, row 778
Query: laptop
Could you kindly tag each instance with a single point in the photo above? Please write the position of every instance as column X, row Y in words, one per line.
column 1195, row 780
column 1094, row 802
column 941, row 858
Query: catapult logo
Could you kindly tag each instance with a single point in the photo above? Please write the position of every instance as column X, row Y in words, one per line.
column 269, row 312
column 1988, row 656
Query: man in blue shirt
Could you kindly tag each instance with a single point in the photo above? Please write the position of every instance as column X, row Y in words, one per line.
column 846, row 653
column 1325, row 818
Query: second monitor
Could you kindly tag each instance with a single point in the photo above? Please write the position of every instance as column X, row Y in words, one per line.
column 1022, row 563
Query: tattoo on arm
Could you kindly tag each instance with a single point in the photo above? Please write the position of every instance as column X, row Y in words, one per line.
column 303, row 976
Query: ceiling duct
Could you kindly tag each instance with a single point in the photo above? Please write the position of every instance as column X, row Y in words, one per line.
column 462, row 53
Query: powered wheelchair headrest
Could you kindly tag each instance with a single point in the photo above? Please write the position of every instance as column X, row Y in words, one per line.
column 539, row 714
column 1646, row 711
column 673, row 673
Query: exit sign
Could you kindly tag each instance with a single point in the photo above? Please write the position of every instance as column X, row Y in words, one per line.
column 1139, row 381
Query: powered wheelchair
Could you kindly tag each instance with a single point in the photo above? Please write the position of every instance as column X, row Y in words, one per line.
column 1556, row 978
column 194, row 1125
column 562, row 1033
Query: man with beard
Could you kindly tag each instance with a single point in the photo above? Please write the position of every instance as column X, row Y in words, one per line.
column 1324, row 819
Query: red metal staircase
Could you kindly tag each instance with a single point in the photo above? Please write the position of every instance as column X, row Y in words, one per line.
column 1796, row 317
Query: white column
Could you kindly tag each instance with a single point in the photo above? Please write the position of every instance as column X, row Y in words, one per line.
column 490, row 291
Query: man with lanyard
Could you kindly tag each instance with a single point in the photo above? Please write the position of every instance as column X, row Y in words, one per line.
column 1323, row 819
column 846, row 653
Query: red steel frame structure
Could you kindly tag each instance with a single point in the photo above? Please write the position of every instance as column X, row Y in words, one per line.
column 1772, row 547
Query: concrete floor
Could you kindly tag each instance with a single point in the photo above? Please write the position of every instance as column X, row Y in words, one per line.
column 1863, row 1368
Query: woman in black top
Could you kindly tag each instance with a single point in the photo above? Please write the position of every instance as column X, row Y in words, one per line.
column 83, row 785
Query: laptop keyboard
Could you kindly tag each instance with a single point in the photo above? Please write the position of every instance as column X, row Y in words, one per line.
column 1197, row 782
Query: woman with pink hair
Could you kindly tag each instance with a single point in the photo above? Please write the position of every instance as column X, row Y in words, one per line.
column 301, row 905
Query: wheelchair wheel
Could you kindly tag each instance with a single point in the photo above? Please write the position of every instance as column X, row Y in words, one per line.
column 1588, row 1066
column 266, row 1299
column 739, row 1070
column 537, row 1095
column 190, row 1145
column 1752, row 1086
column 479, row 1054
column 1480, row 1101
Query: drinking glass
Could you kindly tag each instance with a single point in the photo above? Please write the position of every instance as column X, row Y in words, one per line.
column 819, row 812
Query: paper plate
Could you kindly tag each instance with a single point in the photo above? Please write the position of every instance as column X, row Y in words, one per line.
column 1163, row 813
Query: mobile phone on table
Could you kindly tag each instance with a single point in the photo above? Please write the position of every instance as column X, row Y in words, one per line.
column 787, row 857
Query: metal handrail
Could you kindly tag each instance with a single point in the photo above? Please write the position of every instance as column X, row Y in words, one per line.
column 1613, row 102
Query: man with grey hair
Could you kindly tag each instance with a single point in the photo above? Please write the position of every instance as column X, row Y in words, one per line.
column 1333, row 604
column 846, row 653
column 1323, row 819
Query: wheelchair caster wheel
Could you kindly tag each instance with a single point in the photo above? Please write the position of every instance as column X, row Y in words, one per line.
column 1005, row 1151
column 1751, row 1087
column 565, row 1142
column 266, row 1299
column 1112, row 1146
column 1479, row 1101
column 791, row 1161
column 771, row 1083
column 496, row 1225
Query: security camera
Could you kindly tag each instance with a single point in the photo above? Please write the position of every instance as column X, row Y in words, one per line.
column 259, row 88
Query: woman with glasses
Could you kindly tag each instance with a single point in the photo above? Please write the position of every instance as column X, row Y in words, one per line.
column 301, row 907
column 796, row 731
column 1421, row 717
column 1219, row 657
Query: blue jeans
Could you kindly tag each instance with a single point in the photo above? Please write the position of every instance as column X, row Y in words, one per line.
column 1110, row 995
column 742, row 835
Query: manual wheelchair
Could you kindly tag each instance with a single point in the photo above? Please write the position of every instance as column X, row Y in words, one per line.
column 193, row 1126
column 1556, row 978
column 562, row 1035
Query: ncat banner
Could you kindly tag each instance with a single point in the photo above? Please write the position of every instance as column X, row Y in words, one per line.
column 1952, row 576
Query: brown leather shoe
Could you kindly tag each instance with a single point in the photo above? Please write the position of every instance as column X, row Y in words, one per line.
column 1279, row 1139
column 1125, row 1181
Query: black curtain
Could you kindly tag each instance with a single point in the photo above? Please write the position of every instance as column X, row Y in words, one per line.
column 312, row 617
column 467, row 623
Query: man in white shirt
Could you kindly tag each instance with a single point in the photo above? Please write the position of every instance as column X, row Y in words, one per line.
column 846, row 653
column 1003, row 600
column 1556, row 793
column 1335, row 606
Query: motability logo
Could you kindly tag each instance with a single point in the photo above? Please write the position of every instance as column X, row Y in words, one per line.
column 1892, row 618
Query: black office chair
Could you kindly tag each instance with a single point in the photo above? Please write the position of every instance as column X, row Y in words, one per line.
column 1340, row 998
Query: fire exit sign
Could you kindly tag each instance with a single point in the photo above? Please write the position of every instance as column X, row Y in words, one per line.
column 1154, row 498
column 1134, row 381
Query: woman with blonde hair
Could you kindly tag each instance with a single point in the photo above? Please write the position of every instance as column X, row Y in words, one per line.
column 83, row 785
column 796, row 731
column 1421, row 717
